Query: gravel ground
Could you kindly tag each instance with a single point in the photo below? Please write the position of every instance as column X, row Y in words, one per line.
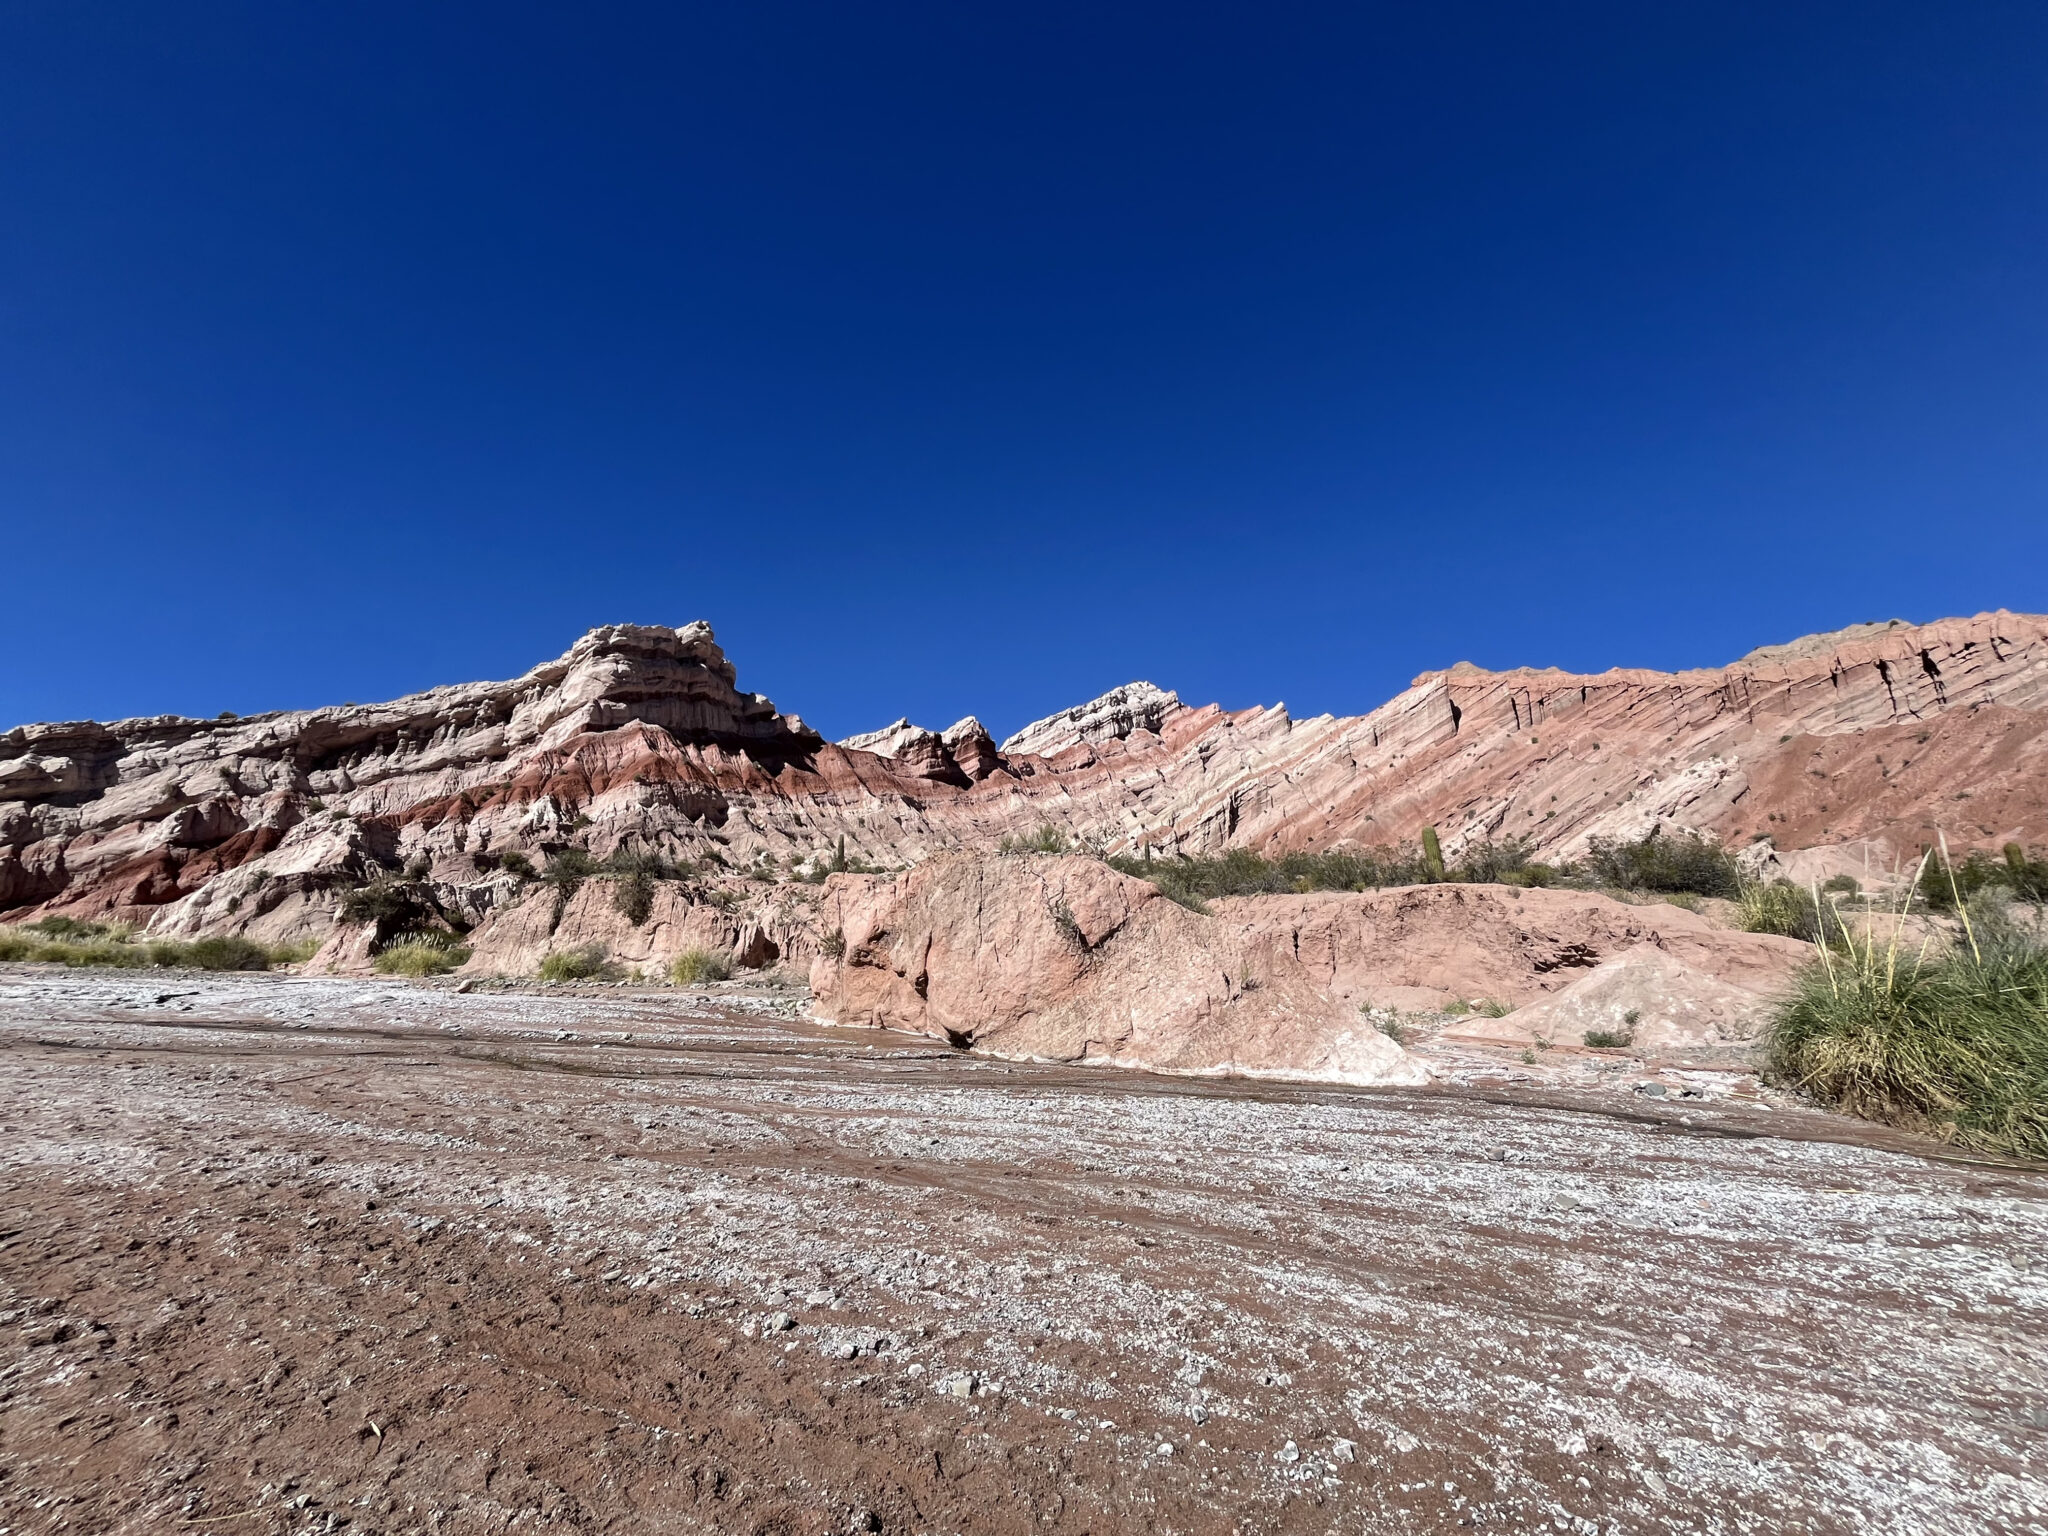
column 284, row 1254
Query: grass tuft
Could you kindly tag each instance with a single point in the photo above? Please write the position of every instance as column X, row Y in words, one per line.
column 579, row 964
column 1953, row 1043
column 413, row 957
column 1047, row 839
column 693, row 966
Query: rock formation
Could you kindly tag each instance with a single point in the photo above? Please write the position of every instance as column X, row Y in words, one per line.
column 1065, row 959
column 639, row 741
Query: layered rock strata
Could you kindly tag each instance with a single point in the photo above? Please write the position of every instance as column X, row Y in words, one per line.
column 638, row 739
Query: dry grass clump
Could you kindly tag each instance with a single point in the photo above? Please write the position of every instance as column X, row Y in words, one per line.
column 67, row 941
column 1790, row 911
column 1047, row 839
column 694, row 966
column 580, row 964
column 425, row 952
column 1955, row 1043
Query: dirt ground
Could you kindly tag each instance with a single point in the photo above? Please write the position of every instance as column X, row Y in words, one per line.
column 295, row 1255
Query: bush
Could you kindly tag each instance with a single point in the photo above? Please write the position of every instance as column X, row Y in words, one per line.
column 568, row 869
column 414, row 957
column 1943, row 883
column 1955, row 1044
column 298, row 952
column 699, row 965
column 1491, row 863
column 517, row 865
column 1241, row 872
column 1609, row 1039
column 388, row 903
column 633, row 895
column 573, row 964
column 1687, row 863
column 833, row 945
column 227, row 954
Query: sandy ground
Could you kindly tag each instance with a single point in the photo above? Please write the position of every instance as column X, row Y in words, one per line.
column 321, row 1255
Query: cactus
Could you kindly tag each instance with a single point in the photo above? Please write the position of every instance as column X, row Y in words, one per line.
column 1432, row 854
column 2016, row 858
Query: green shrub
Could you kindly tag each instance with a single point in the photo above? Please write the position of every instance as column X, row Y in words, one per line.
column 1609, row 1039
column 413, row 957
column 388, row 903
column 1495, row 863
column 227, row 954
column 1658, row 863
column 699, row 965
column 1955, row 1044
column 578, row 964
column 833, row 945
column 1943, row 883
column 297, row 952
column 516, row 864
column 1241, row 872
column 633, row 895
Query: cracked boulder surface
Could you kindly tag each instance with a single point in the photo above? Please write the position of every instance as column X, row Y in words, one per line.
column 296, row 1254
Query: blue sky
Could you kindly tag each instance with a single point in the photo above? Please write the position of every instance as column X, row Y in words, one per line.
column 962, row 359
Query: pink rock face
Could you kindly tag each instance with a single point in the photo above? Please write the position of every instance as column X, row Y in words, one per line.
column 1063, row 958
column 517, row 938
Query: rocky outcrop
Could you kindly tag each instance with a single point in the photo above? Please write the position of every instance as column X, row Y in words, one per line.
column 639, row 739
column 962, row 754
column 1650, row 1003
column 1117, row 715
column 1065, row 959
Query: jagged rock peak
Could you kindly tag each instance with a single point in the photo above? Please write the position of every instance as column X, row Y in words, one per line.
column 895, row 738
column 1115, row 715
column 889, row 740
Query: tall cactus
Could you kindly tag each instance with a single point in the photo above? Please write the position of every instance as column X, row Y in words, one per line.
column 1432, row 854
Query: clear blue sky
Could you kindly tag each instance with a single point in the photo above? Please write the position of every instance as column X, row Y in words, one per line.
column 958, row 358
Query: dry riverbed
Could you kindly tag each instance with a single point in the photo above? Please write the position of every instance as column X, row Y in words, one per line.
column 293, row 1255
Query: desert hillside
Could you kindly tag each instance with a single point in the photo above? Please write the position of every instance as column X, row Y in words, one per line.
column 639, row 739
